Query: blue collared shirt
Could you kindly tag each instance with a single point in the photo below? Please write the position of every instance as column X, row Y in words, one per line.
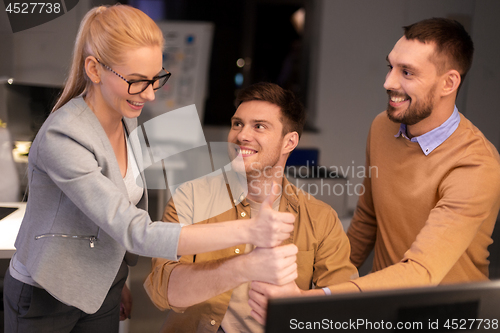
column 431, row 140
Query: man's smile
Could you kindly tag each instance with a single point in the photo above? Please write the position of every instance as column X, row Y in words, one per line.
column 245, row 151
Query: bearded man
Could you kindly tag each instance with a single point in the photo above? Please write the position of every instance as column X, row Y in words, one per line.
column 430, row 212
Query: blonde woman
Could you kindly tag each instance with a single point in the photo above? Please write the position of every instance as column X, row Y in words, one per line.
column 86, row 214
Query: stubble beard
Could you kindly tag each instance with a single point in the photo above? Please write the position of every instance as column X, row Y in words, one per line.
column 414, row 113
column 263, row 170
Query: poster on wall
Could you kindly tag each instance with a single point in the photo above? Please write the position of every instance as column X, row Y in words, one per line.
column 186, row 56
column 181, row 100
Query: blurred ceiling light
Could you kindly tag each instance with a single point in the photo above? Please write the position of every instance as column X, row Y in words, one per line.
column 238, row 80
column 9, row 80
column 298, row 18
column 240, row 62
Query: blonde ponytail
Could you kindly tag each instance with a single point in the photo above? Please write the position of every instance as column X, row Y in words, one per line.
column 107, row 33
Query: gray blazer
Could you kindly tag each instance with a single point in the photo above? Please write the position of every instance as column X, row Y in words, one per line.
column 79, row 222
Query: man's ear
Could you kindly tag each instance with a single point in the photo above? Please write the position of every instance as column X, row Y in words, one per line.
column 92, row 70
column 451, row 82
column 290, row 141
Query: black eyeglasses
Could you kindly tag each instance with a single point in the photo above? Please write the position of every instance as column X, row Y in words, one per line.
column 137, row 86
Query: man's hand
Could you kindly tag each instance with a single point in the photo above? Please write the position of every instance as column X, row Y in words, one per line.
column 125, row 303
column 270, row 228
column 272, row 265
column 260, row 292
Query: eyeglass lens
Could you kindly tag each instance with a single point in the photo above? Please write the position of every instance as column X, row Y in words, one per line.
column 140, row 86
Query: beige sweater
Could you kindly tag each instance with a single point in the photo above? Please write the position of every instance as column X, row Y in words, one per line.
column 428, row 218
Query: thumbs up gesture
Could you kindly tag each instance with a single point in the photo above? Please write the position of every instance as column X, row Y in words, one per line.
column 270, row 227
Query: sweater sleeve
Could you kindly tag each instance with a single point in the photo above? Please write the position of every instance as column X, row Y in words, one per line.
column 469, row 196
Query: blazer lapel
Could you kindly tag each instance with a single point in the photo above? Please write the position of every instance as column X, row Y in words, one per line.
column 114, row 168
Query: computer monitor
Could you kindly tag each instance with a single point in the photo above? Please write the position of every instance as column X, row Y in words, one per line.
column 461, row 307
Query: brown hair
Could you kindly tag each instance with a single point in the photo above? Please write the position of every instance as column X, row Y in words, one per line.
column 451, row 40
column 106, row 32
column 292, row 110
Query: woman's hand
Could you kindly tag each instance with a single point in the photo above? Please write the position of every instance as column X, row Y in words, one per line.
column 268, row 229
column 125, row 303
column 272, row 265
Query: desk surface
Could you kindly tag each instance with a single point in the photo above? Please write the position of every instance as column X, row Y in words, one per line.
column 9, row 227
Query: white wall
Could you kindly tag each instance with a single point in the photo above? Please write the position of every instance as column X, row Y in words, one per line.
column 482, row 108
column 41, row 55
column 356, row 36
column 5, row 45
